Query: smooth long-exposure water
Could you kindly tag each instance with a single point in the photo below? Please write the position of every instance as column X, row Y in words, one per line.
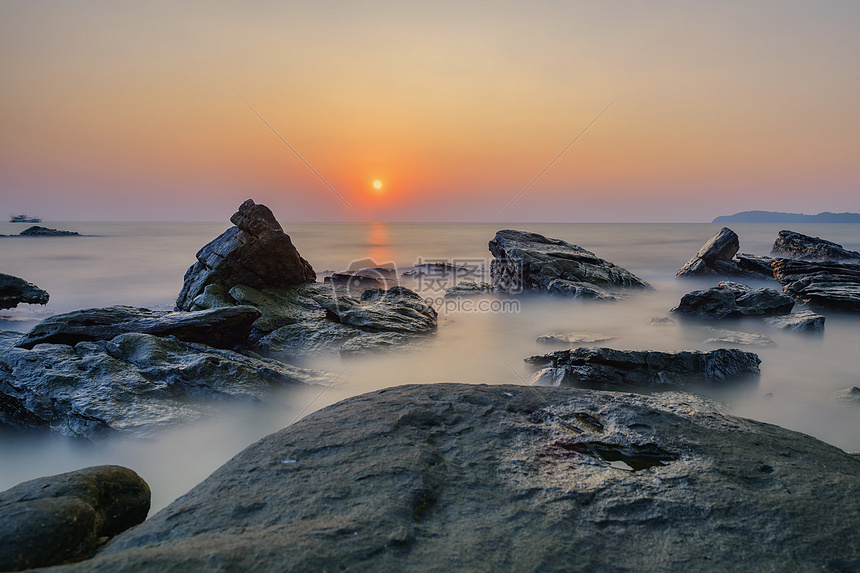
column 142, row 264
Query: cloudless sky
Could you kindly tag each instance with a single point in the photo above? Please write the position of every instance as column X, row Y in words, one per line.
column 133, row 110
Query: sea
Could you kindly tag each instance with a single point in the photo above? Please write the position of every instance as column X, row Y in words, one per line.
column 482, row 342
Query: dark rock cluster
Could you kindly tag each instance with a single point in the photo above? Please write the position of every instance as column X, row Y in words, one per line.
column 528, row 262
column 14, row 291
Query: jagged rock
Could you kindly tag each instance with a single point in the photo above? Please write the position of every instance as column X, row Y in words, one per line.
column 528, row 262
column 722, row 336
column 219, row 327
column 733, row 300
column 449, row 477
column 469, row 288
column 821, row 284
column 397, row 309
column 37, row 231
column 805, row 321
column 134, row 383
column 848, row 395
column 14, row 291
column 573, row 338
column 255, row 252
column 716, row 258
column 66, row 517
column 791, row 245
column 611, row 369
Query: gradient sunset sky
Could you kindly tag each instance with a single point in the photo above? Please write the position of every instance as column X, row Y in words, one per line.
column 134, row 110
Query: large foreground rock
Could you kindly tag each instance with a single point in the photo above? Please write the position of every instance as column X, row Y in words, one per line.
column 610, row 369
column 791, row 245
column 14, row 291
column 137, row 384
column 718, row 257
column 827, row 284
column 733, row 300
column 453, row 477
column 255, row 252
column 221, row 327
column 66, row 517
column 530, row 262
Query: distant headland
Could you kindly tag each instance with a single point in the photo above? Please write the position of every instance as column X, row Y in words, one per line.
column 776, row 217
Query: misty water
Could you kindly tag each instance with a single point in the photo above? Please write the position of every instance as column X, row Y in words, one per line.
column 142, row 264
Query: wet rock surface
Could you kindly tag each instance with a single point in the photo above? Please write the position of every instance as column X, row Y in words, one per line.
column 469, row 288
column 717, row 258
column 220, row 327
column 830, row 285
column 528, row 262
column 14, row 291
column 611, row 369
column 135, row 383
column 457, row 477
column 733, row 300
column 803, row 321
column 723, row 336
column 66, row 517
column 255, row 252
column 792, row 245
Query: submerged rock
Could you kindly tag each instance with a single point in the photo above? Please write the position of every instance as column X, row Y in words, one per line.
column 220, row 327
column 821, row 284
column 791, row 245
column 723, row 336
column 450, row 477
column 37, row 231
column 573, row 338
column 733, row 300
column 14, row 291
column 255, row 252
column 803, row 321
column 469, row 288
column 848, row 395
column 528, row 262
column 717, row 258
column 611, row 369
column 134, row 383
column 64, row 518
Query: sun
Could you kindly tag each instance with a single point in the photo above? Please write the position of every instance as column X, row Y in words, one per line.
column 377, row 184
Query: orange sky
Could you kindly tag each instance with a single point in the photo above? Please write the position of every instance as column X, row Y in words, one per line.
column 129, row 112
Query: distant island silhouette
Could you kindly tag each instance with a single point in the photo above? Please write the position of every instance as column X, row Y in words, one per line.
column 777, row 217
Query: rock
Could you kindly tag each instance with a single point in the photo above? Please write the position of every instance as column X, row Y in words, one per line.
column 722, row 336
column 448, row 477
column 821, row 284
column 66, row 517
column 357, row 281
column 528, row 262
column 791, row 245
column 469, row 288
column 37, row 231
column 255, row 252
column 848, row 395
column 397, row 309
column 661, row 321
column 611, row 369
column 14, row 291
column 573, row 338
column 803, row 321
column 716, row 258
column 135, row 383
column 733, row 300
column 220, row 327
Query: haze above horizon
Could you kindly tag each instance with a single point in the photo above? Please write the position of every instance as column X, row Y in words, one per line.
column 442, row 111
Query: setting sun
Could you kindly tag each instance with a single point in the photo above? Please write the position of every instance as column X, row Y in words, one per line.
column 377, row 184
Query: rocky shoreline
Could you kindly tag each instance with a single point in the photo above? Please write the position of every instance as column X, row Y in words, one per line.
column 417, row 477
